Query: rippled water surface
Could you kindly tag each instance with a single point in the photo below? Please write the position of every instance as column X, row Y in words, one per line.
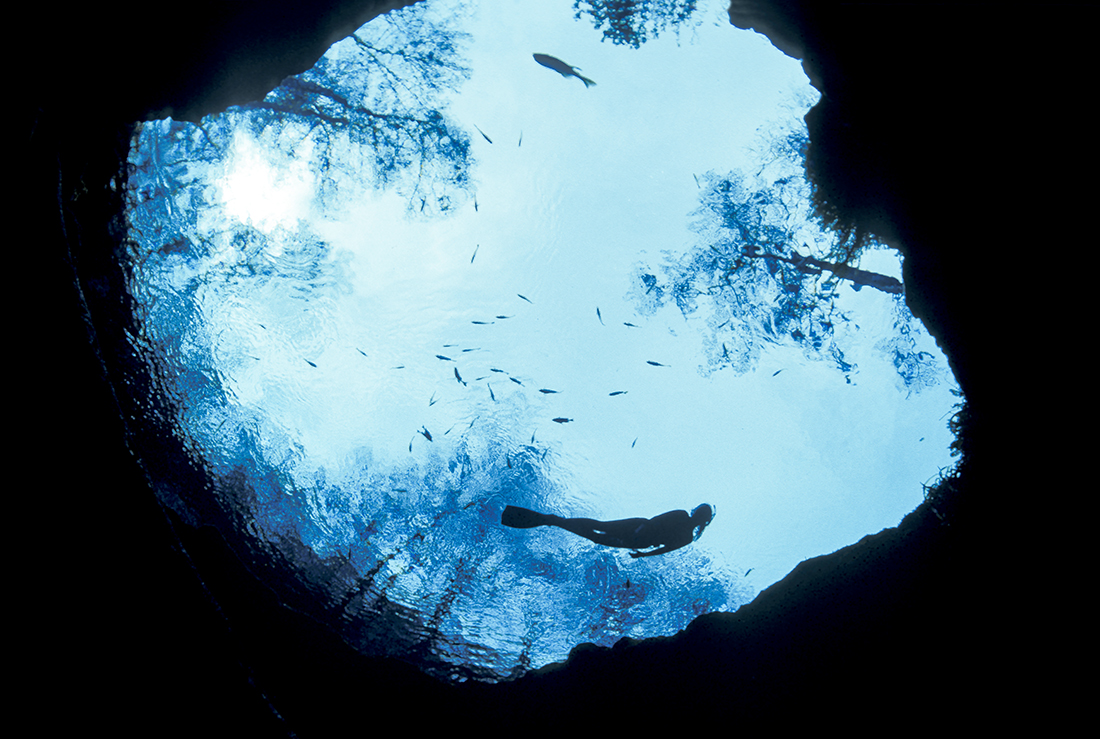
column 356, row 292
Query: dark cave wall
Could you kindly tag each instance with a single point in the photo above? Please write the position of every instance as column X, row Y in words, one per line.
column 950, row 131
column 915, row 137
column 127, row 63
column 954, row 133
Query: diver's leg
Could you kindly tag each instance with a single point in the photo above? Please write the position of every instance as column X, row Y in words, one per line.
column 608, row 533
column 524, row 518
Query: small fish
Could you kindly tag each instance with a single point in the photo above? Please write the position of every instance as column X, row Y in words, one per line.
column 630, row 324
column 475, row 203
column 448, row 346
column 481, row 323
column 516, row 381
column 524, row 297
column 617, row 392
column 561, row 420
column 696, row 179
column 634, row 442
column 475, row 252
column 445, row 359
column 476, row 349
column 655, row 364
column 400, row 490
column 600, row 317
column 491, row 394
column 546, row 391
column 520, row 140
column 360, row 351
column 425, row 433
column 262, row 326
column 311, row 364
column 459, row 377
column 494, row 369
column 483, row 134
column 479, row 379
column 561, row 68
column 400, row 366
column 505, row 317
column 508, row 461
column 452, row 428
column 431, row 402
column 773, row 373
column 748, row 571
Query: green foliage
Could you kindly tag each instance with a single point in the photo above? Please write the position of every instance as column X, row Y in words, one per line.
column 762, row 271
column 369, row 115
column 633, row 22
column 851, row 238
column 836, row 179
column 383, row 90
column 370, row 112
column 758, row 286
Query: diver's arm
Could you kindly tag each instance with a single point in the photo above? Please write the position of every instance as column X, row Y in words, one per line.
column 662, row 550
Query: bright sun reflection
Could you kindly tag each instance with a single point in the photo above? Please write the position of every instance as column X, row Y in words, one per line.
column 266, row 193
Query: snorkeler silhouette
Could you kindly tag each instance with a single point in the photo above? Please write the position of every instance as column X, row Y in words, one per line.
column 667, row 531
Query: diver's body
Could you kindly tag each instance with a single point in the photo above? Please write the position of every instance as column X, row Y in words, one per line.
column 666, row 532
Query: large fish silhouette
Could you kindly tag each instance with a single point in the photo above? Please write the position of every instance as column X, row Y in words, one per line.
column 561, row 68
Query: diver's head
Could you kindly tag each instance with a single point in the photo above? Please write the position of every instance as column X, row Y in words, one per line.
column 701, row 518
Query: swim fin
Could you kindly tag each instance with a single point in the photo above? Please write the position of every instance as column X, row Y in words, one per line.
column 522, row 518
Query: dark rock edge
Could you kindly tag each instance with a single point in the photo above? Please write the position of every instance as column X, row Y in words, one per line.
column 950, row 131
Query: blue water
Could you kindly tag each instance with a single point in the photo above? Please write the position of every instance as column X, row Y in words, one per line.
column 428, row 228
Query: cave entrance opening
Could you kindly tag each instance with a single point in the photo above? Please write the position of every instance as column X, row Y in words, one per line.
column 435, row 275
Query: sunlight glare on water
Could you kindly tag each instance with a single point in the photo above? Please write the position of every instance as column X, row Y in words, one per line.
column 266, row 193
column 403, row 358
